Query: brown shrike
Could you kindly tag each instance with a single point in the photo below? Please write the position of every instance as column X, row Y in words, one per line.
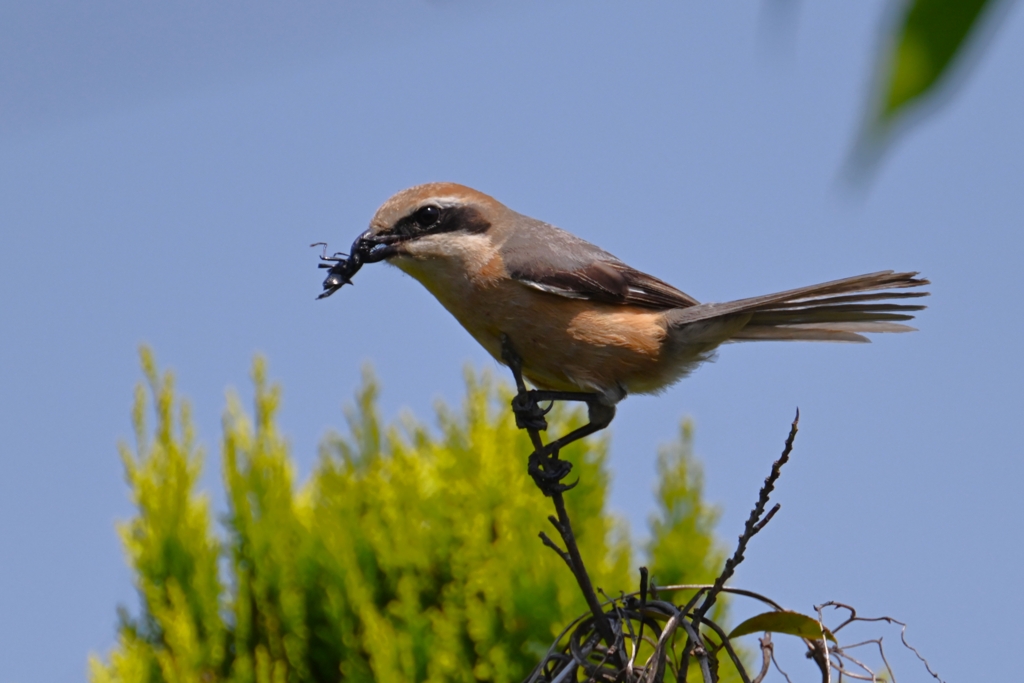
column 577, row 322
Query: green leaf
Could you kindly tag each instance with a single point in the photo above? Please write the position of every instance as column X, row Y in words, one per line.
column 931, row 35
column 793, row 623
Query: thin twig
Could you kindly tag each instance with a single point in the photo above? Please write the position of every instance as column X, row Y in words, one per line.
column 580, row 572
column 767, row 648
column 903, row 637
column 551, row 651
column 881, row 653
column 635, row 643
column 726, row 589
column 564, row 526
column 754, row 523
column 551, row 544
column 727, row 644
column 570, row 669
column 845, row 655
column 693, row 644
column 779, row 668
column 890, row 620
column 838, row 605
column 586, row 648
column 824, row 646
column 644, row 576
column 817, row 651
column 767, row 518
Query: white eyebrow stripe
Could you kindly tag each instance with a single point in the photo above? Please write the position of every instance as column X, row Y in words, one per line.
column 445, row 202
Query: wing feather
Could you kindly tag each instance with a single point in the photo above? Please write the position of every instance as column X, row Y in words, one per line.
column 551, row 260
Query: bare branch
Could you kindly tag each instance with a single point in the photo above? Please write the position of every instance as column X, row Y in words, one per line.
column 890, row 620
column 767, row 648
column 586, row 650
column 562, row 524
column 551, row 544
column 754, row 523
column 824, row 646
column 779, row 668
column 903, row 637
column 727, row 644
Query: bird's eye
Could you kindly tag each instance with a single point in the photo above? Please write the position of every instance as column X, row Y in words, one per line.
column 427, row 216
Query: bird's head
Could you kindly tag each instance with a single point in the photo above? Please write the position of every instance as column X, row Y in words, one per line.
column 437, row 221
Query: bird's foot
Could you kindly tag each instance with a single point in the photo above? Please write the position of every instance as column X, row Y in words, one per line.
column 529, row 414
column 548, row 472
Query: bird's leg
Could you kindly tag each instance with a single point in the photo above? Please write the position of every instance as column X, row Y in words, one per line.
column 529, row 414
column 548, row 471
column 544, row 465
column 599, row 414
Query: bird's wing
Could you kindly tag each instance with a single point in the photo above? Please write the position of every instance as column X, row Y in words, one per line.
column 551, row 260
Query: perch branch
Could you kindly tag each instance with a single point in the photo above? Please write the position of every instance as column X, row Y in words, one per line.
column 754, row 523
column 563, row 525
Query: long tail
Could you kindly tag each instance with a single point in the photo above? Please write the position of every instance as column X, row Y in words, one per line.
column 842, row 310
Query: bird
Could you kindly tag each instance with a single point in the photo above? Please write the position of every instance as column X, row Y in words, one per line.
column 579, row 323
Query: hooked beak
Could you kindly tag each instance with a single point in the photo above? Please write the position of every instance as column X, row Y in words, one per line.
column 367, row 248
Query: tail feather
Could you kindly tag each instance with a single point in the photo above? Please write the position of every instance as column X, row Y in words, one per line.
column 838, row 314
column 857, row 298
column 842, row 310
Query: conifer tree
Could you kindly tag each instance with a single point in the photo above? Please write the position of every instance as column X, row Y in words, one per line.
column 410, row 554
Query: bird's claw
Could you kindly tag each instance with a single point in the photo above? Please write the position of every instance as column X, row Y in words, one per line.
column 529, row 414
column 548, row 472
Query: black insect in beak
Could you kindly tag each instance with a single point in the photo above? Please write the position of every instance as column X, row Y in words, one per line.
column 368, row 248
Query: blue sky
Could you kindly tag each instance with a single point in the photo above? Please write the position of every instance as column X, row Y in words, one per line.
column 164, row 169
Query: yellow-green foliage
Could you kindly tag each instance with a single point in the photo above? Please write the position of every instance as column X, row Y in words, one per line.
column 682, row 548
column 410, row 554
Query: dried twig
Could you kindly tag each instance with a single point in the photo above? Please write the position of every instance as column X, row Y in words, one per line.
column 727, row 644
column 779, row 668
column 562, row 523
column 595, row 646
column 546, row 540
column 825, row 657
column 767, row 649
column 564, row 528
column 889, row 620
column 754, row 523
